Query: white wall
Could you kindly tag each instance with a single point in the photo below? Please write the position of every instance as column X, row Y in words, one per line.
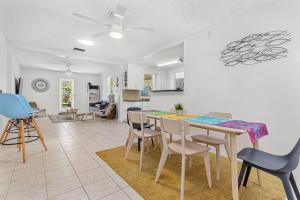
column 266, row 92
column 50, row 99
column 9, row 69
column 136, row 75
column 116, row 72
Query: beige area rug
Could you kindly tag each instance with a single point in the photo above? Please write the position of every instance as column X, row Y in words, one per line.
column 196, row 187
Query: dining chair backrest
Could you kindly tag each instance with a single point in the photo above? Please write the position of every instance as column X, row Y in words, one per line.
column 13, row 106
column 171, row 126
column 176, row 127
column 132, row 109
column 137, row 118
column 220, row 115
column 293, row 159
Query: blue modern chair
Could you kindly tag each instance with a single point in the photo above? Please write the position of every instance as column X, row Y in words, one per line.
column 20, row 115
column 280, row 166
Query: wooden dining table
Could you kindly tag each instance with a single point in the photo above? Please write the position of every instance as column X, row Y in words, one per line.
column 232, row 133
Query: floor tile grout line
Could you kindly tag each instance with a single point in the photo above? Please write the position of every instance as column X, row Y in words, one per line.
column 73, row 166
column 6, row 194
column 65, row 166
column 45, row 176
column 67, row 133
column 101, row 179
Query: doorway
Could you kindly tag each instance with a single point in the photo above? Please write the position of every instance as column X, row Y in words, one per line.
column 66, row 94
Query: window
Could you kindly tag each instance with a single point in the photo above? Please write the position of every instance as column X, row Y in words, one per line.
column 149, row 84
column 179, row 80
column 66, row 94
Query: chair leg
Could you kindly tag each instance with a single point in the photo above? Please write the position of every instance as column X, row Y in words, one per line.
column 142, row 153
column 190, row 161
column 19, row 139
column 162, row 162
column 247, row 175
column 38, row 131
column 23, row 140
column 218, row 168
column 287, row 187
column 139, row 144
column 294, row 185
column 129, row 133
column 242, row 173
column 161, row 143
column 129, row 145
column 5, row 132
column 207, row 168
column 183, row 160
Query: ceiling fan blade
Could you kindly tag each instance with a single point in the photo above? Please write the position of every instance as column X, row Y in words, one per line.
column 139, row 29
column 91, row 19
column 99, row 34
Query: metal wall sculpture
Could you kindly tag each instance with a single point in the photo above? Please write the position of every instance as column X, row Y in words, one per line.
column 256, row 48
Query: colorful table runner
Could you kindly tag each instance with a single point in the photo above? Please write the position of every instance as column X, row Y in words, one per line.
column 174, row 116
column 255, row 130
column 207, row 120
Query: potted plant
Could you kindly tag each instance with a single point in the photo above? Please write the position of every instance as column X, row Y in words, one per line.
column 179, row 109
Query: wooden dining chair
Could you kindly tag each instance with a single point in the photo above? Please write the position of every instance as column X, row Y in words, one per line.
column 215, row 142
column 143, row 133
column 183, row 147
column 137, row 126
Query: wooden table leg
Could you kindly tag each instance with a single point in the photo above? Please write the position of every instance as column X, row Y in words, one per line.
column 256, row 146
column 234, row 171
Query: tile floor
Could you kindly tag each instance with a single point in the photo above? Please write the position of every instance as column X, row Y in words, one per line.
column 70, row 168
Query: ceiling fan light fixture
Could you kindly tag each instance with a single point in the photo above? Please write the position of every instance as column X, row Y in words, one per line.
column 116, row 31
column 116, row 35
column 68, row 72
column 86, row 42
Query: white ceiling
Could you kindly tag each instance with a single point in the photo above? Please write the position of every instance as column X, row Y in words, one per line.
column 44, row 60
column 165, row 55
column 50, row 26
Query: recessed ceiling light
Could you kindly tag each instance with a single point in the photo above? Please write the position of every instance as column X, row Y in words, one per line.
column 171, row 62
column 86, row 42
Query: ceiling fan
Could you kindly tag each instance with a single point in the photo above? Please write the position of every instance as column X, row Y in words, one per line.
column 117, row 26
column 67, row 61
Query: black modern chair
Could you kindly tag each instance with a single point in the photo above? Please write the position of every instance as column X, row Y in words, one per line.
column 280, row 166
column 138, row 126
